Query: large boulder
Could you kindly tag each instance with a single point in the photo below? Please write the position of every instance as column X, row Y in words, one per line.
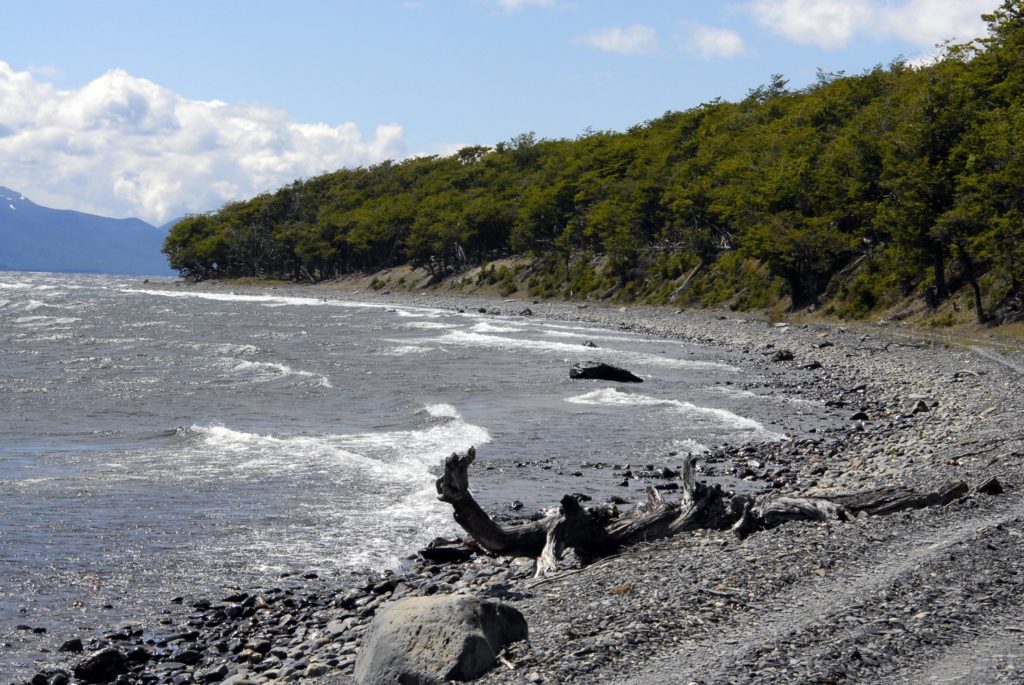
column 429, row 640
column 603, row 372
column 102, row 666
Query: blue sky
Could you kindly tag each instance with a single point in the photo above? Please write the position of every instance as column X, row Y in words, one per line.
column 153, row 109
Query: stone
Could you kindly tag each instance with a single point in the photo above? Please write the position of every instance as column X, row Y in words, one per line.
column 102, row 666
column 212, row 675
column 315, row 670
column 74, row 646
column 525, row 311
column 428, row 640
column 859, row 416
column 446, row 554
column 783, row 356
column 603, row 372
column 991, row 487
column 589, row 343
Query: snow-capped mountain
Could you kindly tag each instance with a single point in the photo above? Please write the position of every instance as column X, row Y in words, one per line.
column 35, row 238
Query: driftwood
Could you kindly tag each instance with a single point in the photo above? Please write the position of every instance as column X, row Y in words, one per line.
column 594, row 532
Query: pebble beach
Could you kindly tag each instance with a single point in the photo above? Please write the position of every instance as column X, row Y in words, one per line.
column 926, row 595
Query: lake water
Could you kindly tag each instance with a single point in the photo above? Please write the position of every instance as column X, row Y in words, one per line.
column 159, row 441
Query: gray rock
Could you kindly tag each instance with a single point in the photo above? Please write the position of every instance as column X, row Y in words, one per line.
column 783, row 356
column 102, row 666
column 74, row 646
column 428, row 640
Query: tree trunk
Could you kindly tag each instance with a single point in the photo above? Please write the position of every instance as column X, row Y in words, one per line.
column 594, row 532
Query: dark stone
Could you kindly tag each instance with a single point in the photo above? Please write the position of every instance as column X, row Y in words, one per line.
column 139, row 655
column 212, row 675
column 783, row 356
column 102, row 666
column 920, row 407
column 446, row 555
column 859, row 416
column 189, row 656
column 991, row 487
column 525, row 311
column 603, row 372
column 589, row 343
column 811, row 366
column 74, row 646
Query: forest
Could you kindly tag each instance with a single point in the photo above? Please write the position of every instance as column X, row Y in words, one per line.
column 856, row 192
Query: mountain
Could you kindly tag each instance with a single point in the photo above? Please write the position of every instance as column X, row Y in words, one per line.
column 36, row 238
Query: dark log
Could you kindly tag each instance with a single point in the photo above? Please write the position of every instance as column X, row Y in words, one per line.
column 591, row 532
column 595, row 532
column 453, row 487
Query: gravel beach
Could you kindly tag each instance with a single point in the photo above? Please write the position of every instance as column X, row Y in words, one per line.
column 926, row 595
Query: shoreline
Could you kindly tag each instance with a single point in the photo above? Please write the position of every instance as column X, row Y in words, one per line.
column 705, row 604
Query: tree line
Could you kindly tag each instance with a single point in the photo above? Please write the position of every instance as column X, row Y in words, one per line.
column 856, row 189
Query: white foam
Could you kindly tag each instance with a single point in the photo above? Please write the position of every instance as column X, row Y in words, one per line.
column 403, row 350
column 281, row 300
column 269, row 371
column 561, row 333
column 225, row 445
column 44, row 321
column 616, row 398
column 471, row 339
column 425, row 447
column 231, row 349
column 442, row 411
column 485, row 327
column 689, row 446
column 428, row 325
column 385, row 456
column 746, row 394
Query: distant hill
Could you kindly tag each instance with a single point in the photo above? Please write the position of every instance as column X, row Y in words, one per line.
column 35, row 238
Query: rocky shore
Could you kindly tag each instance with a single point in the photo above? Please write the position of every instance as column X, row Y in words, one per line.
column 928, row 595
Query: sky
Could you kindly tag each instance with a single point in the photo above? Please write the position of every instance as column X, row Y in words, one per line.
column 155, row 109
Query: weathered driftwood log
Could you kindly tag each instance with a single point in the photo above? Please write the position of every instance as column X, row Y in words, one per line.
column 595, row 531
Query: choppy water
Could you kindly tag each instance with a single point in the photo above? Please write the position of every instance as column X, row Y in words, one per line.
column 157, row 442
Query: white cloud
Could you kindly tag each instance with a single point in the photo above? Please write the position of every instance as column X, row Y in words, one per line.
column 710, row 42
column 125, row 146
column 516, row 5
column 632, row 40
column 832, row 24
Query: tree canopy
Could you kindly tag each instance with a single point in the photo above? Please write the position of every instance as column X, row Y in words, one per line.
column 865, row 188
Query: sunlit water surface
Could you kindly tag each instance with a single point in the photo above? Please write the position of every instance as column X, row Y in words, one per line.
column 159, row 441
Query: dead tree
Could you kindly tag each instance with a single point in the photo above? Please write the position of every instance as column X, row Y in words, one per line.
column 594, row 532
